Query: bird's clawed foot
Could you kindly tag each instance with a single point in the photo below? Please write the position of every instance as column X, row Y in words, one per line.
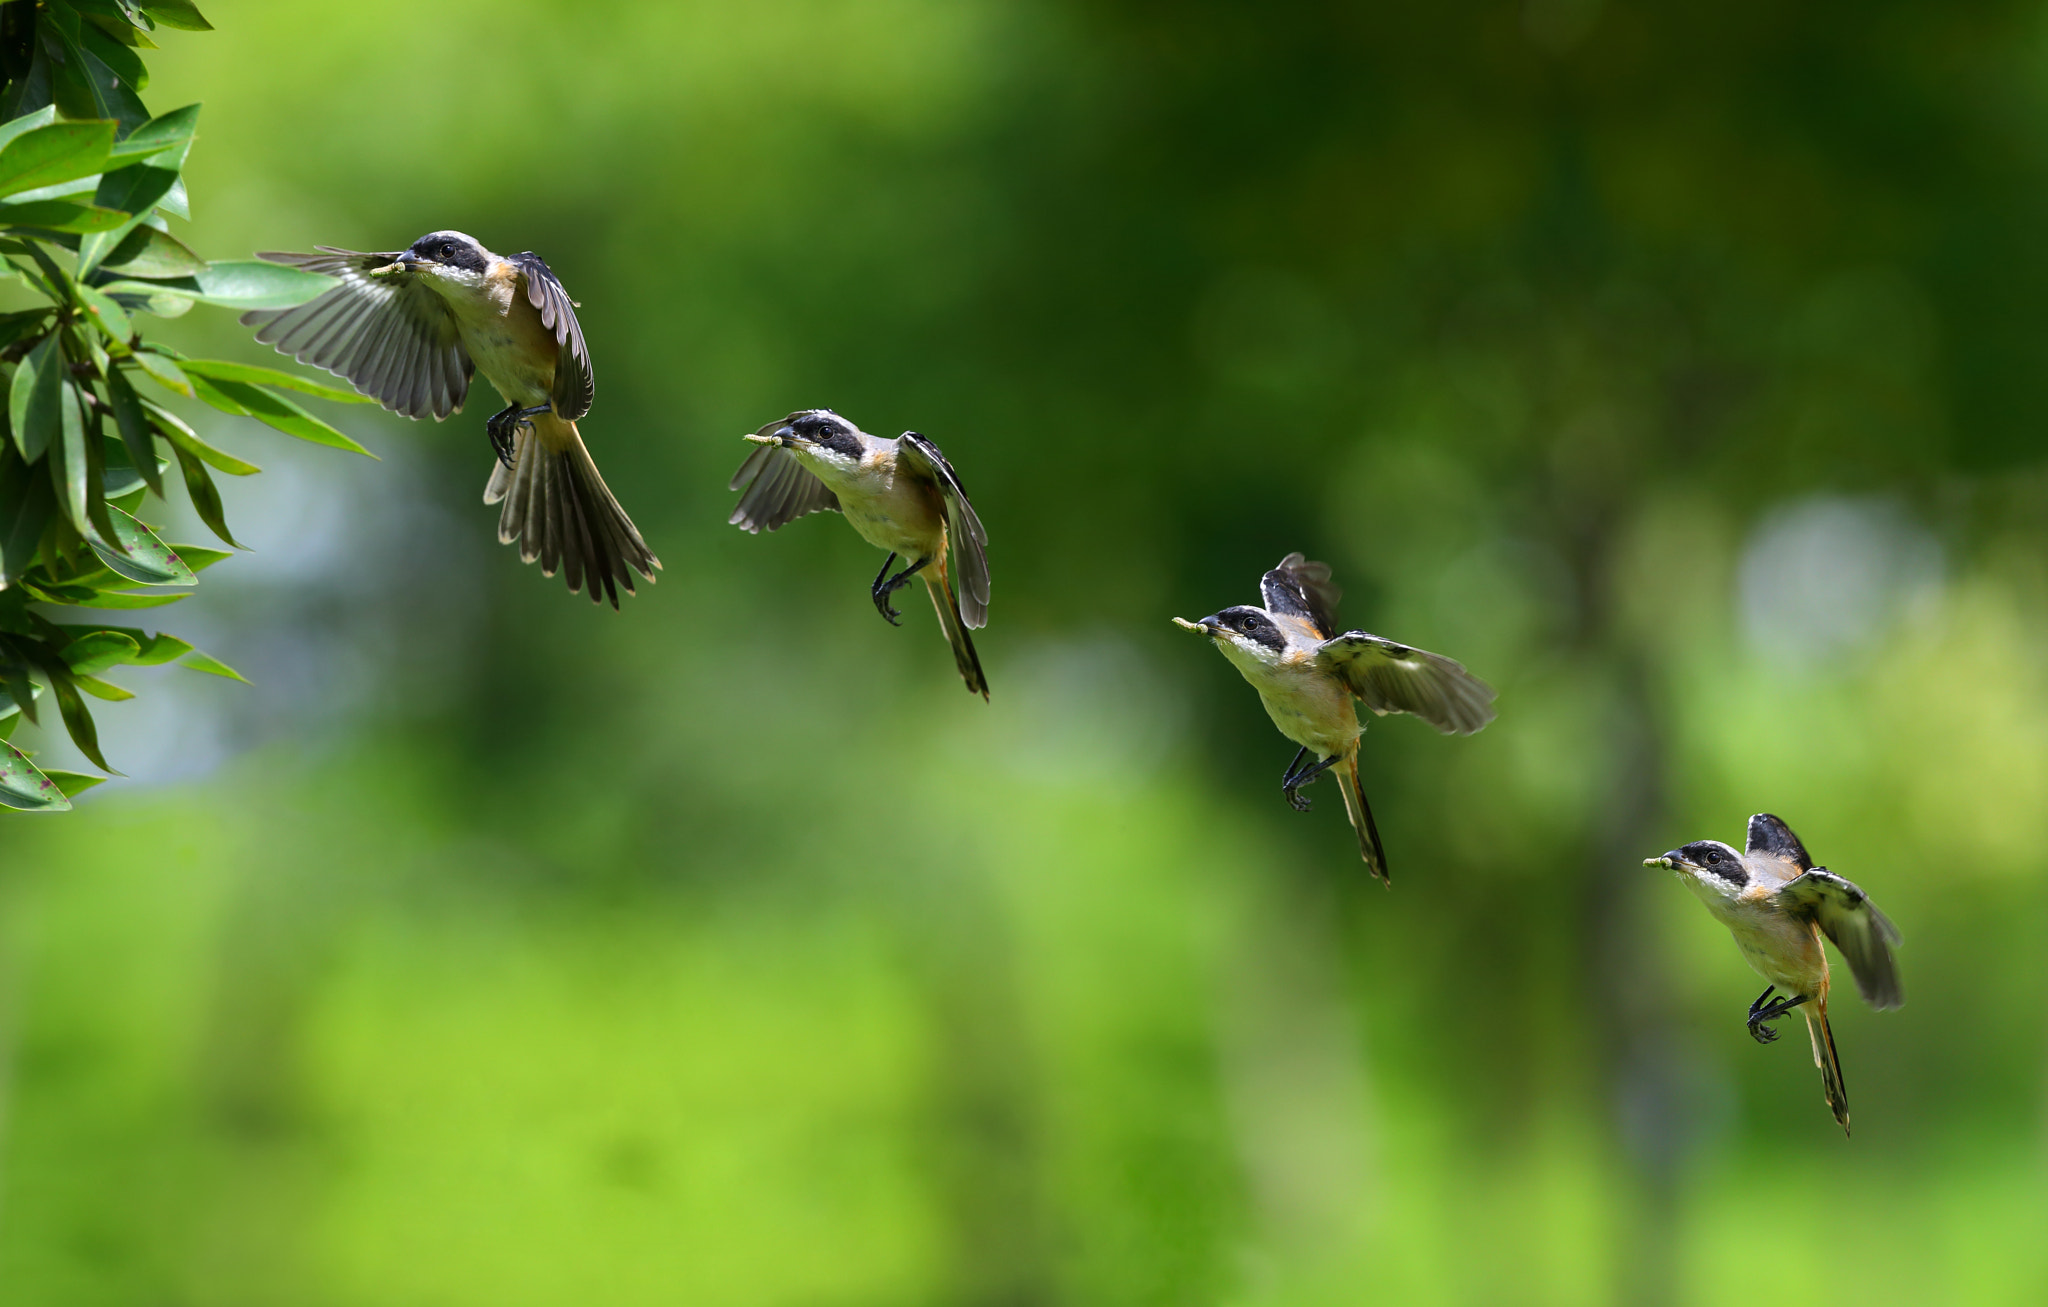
column 1764, row 1011
column 886, row 585
column 504, row 425
column 1299, row 775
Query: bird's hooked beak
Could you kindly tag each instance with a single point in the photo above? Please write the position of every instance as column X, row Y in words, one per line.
column 783, row 435
column 1208, row 626
column 405, row 262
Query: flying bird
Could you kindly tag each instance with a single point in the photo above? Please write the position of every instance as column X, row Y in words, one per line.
column 1777, row 904
column 901, row 495
column 409, row 327
column 1307, row 675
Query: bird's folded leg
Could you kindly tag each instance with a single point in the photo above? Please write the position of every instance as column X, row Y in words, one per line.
column 886, row 585
column 1299, row 775
column 1762, row 1012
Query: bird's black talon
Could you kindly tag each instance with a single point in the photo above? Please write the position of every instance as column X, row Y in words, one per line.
column 1299, row 775
column 886, row 585
column 879, row 592
column 1761, row 1013
column 1762, row 999
column 501, row 427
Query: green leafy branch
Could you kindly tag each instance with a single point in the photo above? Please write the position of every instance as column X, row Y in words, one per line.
column 86, row 179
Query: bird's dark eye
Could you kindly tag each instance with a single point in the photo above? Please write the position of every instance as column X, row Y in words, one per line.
column 447, row 250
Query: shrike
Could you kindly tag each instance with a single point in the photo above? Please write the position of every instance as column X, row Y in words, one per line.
column 409, row 327
column 1307, row 676
column 1777, row 904
column 900, row 495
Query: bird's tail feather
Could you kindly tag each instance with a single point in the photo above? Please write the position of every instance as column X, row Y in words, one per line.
column 562, row 514
column 1360, row 813
column 1829, row 1062
column 964, row 657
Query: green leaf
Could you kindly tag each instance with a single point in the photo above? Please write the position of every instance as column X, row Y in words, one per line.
column 134, row 190
column 201, row 557
column 59, row 152
column 108, row 599
column 238, row 284
column 25, row 789
column 70, row 472
column 172, row 428
column 123, row 479
column 166, row 133
column 25, row 504
column 73, row 782
column 181, row 14
column 259, row 376
column 147, row 252
column 200, row 488
column 110, row 94
column 19, row 326
column 78, row 723
column 273, row 410
column 143, row 559
column 122, row 23
column 107, row 315
column 164, row 372
column 33, row 399
column 94, row 447
column 61, row 215
column 21, row 692
column 107, row 690
column 14, row 127
column 133, row 424
column 124, row 62
column 89, row 655
column 164, row 304
column 11, row 714
column 200, row 661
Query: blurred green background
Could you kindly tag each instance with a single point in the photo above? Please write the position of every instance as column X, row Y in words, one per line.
column 1678, row 368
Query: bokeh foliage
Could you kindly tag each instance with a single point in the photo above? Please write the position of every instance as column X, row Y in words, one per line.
column 724, row 952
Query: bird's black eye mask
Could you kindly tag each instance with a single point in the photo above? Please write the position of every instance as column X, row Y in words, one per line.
column 829, row 433
column 1253, row 625
column 1717, row 862
column 450, row 252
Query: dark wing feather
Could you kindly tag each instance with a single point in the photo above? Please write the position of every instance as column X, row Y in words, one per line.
column 778, row 490
column 964, row 533
column 575, row 383
column 394, row 340
column 1392, row 678
column 1769, row 834
column 1302, row 589
column 1865, row 935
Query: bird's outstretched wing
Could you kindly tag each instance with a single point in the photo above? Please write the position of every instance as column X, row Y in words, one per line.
column 778, row 489
column 1392, row 678
column 1769, row 834
column 575, row 383
column 1865, row 935
column 394, row 340
column 1303, row 589
column 964, row 533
